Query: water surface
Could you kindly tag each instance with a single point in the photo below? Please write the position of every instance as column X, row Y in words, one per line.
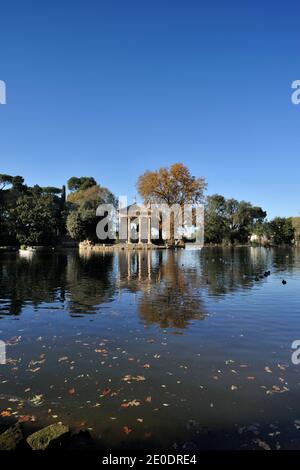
column 149, row 349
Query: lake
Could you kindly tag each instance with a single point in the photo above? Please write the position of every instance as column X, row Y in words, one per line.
column 154, row 349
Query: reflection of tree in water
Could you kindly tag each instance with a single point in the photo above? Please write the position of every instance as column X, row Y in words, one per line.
column 55, row 278
column 168, row 284
column 169, row 297
column 287, row 259
column 225, row 270
column 90, row 282
column 35, row 279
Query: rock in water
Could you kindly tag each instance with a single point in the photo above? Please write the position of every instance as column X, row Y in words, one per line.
column 10, row 439
column 48, row 437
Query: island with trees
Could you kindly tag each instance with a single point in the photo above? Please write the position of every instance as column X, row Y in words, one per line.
column 33, row 216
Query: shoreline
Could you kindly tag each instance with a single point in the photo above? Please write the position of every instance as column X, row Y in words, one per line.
column 126, row 247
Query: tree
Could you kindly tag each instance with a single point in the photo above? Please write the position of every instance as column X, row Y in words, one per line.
column 36, row 219
column 11, row 187
column 5, row 180
column 282, row 230
column 231, row 220
column 84, row 182
column 81, row 224
column 173, row 185
column 216, row 229
column 82, row 219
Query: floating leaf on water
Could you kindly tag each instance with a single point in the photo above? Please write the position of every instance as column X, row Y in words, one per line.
column 129, row 378
column 25, row 418
column 130, row 403
column 63, row 359
column 36, row 400
column 126, row 430
column 263, row 444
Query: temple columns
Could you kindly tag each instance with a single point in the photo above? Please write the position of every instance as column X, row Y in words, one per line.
column 140, row 229
column 128, row 230
column 149, row 229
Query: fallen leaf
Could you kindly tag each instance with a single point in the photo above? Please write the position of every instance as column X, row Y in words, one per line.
column 263, row 444
column 63, row 358
column 126, row 430
column 130, row 403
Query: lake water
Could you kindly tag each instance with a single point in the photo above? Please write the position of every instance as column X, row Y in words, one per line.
column 163, row 349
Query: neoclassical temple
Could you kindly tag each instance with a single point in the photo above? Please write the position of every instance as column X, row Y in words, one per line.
column 135, row 224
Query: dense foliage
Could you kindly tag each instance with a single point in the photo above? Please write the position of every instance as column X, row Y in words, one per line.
column 43, row 215
column 38, row 215
column 229, row 220
column 30, row 215
column 83, row 202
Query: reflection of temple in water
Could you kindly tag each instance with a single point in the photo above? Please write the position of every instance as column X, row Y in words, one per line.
column 168, row 286
column 135, row 265
column 165, row 294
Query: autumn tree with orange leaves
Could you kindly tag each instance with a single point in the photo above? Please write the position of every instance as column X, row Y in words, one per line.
column 173, row 185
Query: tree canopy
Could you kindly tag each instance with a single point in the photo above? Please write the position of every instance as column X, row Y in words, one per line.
column 82, row 203
column 33, row 215
column 229, row 220
column 84, row 182
column 173, row 185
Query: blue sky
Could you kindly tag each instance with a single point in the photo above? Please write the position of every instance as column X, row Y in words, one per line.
column 111, row 88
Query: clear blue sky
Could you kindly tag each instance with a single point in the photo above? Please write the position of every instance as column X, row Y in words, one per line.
column 111, row 88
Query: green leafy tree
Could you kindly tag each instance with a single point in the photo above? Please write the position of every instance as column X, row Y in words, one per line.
column 5, row 180
column 82, row 219
column 282, row 230
column 36, row 219
column 241, row 218
column 216, row 228
column 11, row 187
column 82, row 183
column 230, row 220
